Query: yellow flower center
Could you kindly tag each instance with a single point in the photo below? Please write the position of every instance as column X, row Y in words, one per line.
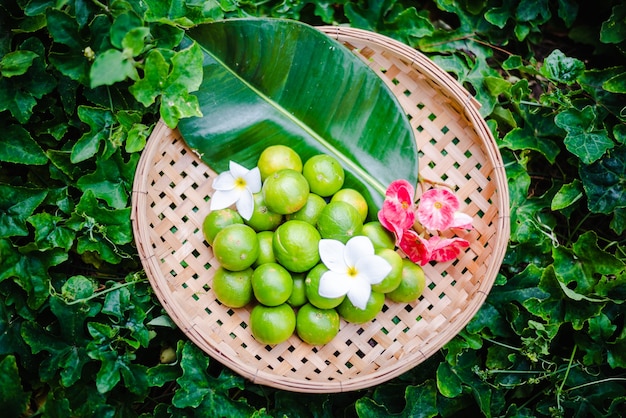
column 240, row 183
column 438, row 205
column 352, row 272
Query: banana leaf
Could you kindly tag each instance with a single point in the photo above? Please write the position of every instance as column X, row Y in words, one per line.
column 275, row 81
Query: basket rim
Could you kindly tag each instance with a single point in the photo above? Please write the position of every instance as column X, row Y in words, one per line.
column 471, row 108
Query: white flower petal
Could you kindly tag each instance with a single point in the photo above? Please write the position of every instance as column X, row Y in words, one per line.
column 224, row 198
column 253, row 180
column 357, row 248
column 360, row 295
column 245, row 204
column 331, row 254
column 374, row 268
column 224, row 181
column 237, row 170
column 333, row 284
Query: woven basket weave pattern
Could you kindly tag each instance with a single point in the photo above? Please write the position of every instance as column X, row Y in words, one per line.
column 172, row 193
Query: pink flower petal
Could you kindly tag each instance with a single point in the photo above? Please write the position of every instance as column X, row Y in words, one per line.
column 415, row 247
column 446, row 249
column 461, row 221
column 436, row 209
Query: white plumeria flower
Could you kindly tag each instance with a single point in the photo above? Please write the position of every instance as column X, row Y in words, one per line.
column 236, row 186
column 352, row 269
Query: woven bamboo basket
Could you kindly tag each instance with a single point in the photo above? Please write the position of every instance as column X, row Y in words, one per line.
column 173, row 186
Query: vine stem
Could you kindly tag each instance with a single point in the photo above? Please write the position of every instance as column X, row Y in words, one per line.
column 95, row 294
column 560, row 388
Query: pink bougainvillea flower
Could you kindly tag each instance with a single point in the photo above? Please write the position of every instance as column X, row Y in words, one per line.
column 416, row 248
column 236, row 186
column 436, row 209
column 398, row 211
column 446, row 249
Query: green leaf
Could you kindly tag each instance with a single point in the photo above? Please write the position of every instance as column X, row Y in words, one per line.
column 16, row 63
column 558, row 67
column 110, row 67
column 104, row 230
column 30, row 271
column 584, row 139
column 616, row 84
column 19, row 147
column 528, row 138
column 209, row 395
column 338, row 107
column 100, row 122
column 448, row 384
column 604, row 183
column 13, row 398
column 112, row 180
column 50, row 232
column 567, row 195
column 421, row 402
column 16, row 205
column 613, row 30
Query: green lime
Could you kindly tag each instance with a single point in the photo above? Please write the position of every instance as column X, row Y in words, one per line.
column 340, row 221
column 412, row 283
column 272, row 324
column 324, row 174
column 278, row 157
column 354, row 198
column 379, row 235
column 312, row 285
column 266, row 249
column 271, row 284
column 262, row 218
column 316, row 326
column 296, row 246
column 233, row 288
column 236, row 247
column 351, row 313
column 217, row 220
column 311, row 210
column 392, row 280
column 285, row 191
column 298, row 293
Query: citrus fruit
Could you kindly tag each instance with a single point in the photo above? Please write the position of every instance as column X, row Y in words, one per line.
column 379, row 235
column 217, row 220
column 316, row 326
column 351, row 313
column 271, row 284
column 312, row 285
column 272, row 324
column 310, row 211
column 233, row 288
column 340, row 221
column 295, row 246
column 412, row 283
column 324, row 174
column 236, row 247
column 262, row 218
column 266, row 249
column 277, row 157
column 354, row 198
column 285, row 191
column 392, row 280
column 298, row 293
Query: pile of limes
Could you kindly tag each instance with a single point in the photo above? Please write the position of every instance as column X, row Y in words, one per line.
column 272, row 260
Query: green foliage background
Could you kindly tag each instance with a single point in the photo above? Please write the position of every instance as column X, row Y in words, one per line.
column 81, row 333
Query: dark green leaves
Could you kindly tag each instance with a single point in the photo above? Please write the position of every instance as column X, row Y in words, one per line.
column 13, row 398
column 585, row 138
column 604, row 182
column 259, row 89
